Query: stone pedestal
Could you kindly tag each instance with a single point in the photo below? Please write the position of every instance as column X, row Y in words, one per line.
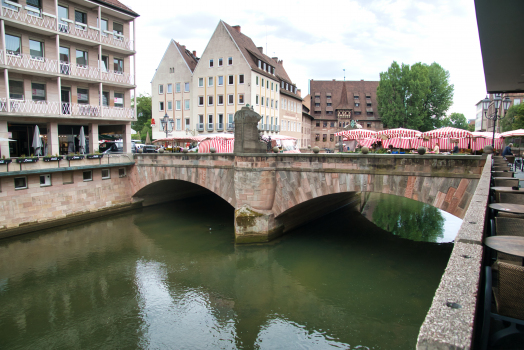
column 246, row 132
column 256, row 226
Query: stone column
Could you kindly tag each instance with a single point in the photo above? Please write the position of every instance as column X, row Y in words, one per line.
column 53, row 143
column 4, row 145
column 93, row 138
column 126, row 137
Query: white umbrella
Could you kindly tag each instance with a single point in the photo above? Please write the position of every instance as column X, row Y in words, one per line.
column 37, row 142
column 4, row 139
column 82, row 141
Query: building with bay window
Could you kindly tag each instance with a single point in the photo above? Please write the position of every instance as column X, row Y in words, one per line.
column 65, row 64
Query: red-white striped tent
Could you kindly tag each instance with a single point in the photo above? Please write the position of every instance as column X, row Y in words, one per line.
column 356, row 134
column 399, row 132
column 221, row 145
column 446, row 132
column 513, row 133
column 367, row 142
column 401, row 142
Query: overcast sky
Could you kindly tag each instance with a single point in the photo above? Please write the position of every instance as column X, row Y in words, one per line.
column 318, row 40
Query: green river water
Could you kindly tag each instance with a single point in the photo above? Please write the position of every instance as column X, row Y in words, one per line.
column 171, row 277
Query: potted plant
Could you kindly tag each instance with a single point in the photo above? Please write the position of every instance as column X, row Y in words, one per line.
column 24, row 159
column 5, row 160
column 54, row 158
column 76, row 156
column 96, row 155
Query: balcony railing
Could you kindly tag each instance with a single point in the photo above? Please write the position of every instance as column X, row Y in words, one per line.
column 200, row 126
column 220, row 126
column 17, row 12
column 118, row 77
column 268, row 127
column 230, row 126
column 26, row 61
column 86, row 110
column 81, row 71
column 209, row 126
column 29, row 106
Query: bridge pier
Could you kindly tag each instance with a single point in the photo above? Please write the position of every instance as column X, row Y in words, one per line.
column 256, row 226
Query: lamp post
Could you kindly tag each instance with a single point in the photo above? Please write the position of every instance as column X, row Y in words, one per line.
column 496, row 103
column 167, row 124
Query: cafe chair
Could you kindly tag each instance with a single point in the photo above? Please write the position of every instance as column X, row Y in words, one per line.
column 509, row 226
column 502, row 174
column 509, row 302
column 500, row 168
column 505, row 182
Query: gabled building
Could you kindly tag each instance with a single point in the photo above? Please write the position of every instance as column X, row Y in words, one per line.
column 290, row 105
column 171, row 90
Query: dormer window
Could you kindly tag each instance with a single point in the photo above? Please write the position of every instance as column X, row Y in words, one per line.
column 259, row 64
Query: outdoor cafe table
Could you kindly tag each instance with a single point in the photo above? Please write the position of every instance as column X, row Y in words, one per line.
column 513, row 245
column 507, row 189
column 508, row 207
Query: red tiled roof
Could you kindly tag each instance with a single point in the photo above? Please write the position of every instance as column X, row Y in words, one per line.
column 188, row 56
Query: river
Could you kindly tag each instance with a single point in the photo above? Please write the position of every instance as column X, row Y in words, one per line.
column 171, row 277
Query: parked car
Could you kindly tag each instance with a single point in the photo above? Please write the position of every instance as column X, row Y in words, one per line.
column 149, row 149
column 115, row 147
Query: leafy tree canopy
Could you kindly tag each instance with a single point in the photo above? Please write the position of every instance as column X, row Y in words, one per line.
column 456, row 120
column 514, row 118
column 143, row 110
column 414, row 97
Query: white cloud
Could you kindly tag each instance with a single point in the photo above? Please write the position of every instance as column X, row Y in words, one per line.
column 319, row 40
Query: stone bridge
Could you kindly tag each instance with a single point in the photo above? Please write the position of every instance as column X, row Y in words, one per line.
column 274, row 193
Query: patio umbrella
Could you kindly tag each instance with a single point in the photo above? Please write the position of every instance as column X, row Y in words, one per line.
column 37, row 142
column 148, row 140
column 4, row 139
column 82, row 141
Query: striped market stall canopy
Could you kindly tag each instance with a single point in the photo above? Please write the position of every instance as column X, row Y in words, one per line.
column 446, row 132
column 513, row 133
column 355, row 134
column 399, row 132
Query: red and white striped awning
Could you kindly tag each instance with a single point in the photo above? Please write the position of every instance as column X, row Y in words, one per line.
column 399, row 132
column 513, row 133
column 401, row 142
column 446, row 132
column 221, row 145
column 356, row 134
column 485, row 134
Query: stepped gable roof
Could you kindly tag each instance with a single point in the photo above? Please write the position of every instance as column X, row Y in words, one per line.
column 117, row 5
column 188, row 56
column 343, row 103
column 250, row 51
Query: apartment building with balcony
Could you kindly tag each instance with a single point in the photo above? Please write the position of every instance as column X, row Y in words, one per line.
column 172, row 90
column 66, row 64
column 290, row 105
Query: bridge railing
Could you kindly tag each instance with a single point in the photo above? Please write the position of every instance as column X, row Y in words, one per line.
column 450, row 321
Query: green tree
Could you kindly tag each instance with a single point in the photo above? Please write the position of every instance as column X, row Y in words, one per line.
column 471, row 127
column 143, row 110
column 415, row 97
column 514, row 118
column 456, row 120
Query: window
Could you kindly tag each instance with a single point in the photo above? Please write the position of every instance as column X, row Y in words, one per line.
column 230, row 61
column 332, row 124
column 161, row 106
column 200, row 82
column 331, row 137
column 169, row 105
column 105, row 98
column 178, row 124
column 210, row 81
column 318, row 124
column 160, row 89
column 368, row 104
column 45, row 180
column 118, row 65
column 369, row 125
column 516, row 101
column 13, row 45
column 267, row 102
column 186, row 105
column 121, row 172
column 262, row 82
column 230, row 99
column 210, row 63
column 87, row 175
column 220, row 62
column 256, row 79
column 317, row 137
column 241, row 79
column 16, row 90
column 187, row 124
column 83, row 96
column 20, row 183
column 186, row 87
column 220, row 100
column 119, row 100
column 267, row 84
column 104, row 26
column 324, row 137
column 220, row 80
column 81, row 59
column 209, row 100
column 177, row 87
column 241, row 99
column 200, row 100
column 36, row 49
column 104, row 64
column 230, row 79
column 357, row 104
column 118, row 29
column 169, row 88
column 272, row 103
column 38, row 91
column 81, row 20
column 271, row 86
column 256, row 100
column 178, row 105
column 327, row 104
column 276, row 104
column 262, row 100
column 106, row 174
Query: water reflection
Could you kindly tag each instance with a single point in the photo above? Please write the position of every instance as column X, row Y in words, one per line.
column 410, row 219
column 171, row 277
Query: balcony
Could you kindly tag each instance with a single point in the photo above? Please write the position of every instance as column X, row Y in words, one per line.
column 268, row 127
column 29, row 107
column 38, row 18
column 25, row 61
column 220, row 126
column 200, row 126
column 210, row 126
column 230, row 126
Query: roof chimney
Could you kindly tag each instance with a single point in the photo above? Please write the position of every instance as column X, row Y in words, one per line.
column 194, row 53
column 183, row 47
column 237, row 28
column 361, row 79
column 261, row 49
column 299, row 92
column 275, row 59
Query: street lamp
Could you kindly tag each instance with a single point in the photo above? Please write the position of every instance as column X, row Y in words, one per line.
column 167, row 124
column 496, row 102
